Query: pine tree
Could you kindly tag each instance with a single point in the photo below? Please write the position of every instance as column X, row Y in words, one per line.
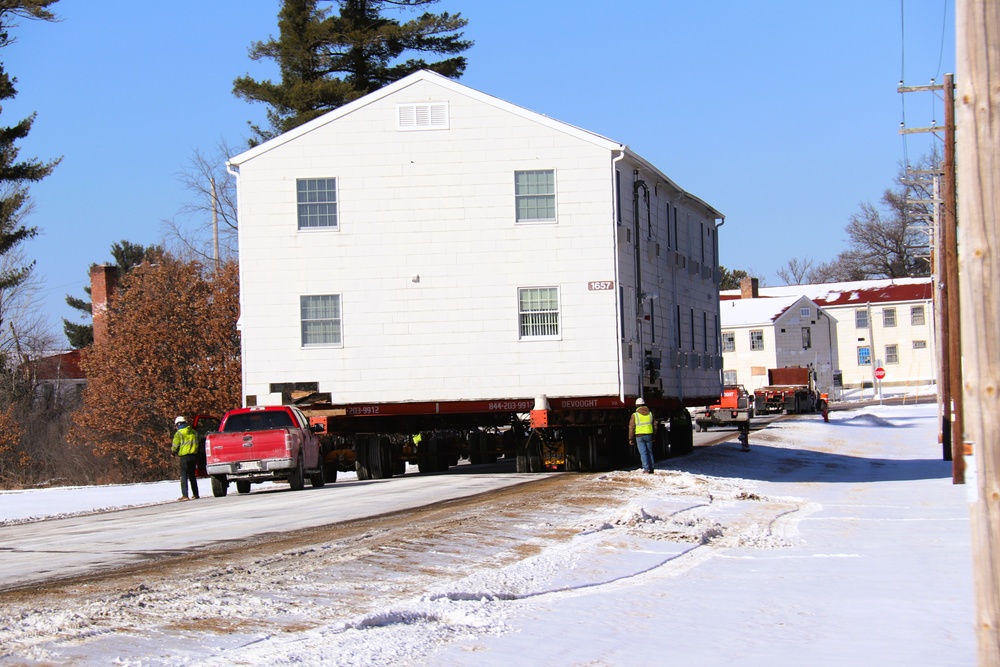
column 126, row 255
column 14, row 174
column 361, row 44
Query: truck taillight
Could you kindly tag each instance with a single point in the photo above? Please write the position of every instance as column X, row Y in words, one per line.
column 288, row 442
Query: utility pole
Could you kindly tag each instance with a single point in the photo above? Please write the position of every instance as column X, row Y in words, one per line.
column 215, row 225
column 953, row 422
column 978, row 58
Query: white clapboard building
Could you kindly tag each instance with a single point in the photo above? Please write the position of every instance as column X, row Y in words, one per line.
column 429, row 242
column 886, row 323
column 778, row 332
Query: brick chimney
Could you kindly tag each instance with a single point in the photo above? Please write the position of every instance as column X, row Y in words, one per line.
column 749, row 288
column 103, row 282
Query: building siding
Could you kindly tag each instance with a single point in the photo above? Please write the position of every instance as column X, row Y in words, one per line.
column 428, row 259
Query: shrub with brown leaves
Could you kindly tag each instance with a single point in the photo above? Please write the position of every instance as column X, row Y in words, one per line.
column 173, row 349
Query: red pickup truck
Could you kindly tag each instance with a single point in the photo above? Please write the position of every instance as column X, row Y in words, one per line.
column 262, row 444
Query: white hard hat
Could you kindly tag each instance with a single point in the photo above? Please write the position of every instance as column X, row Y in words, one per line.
column 180, row 420
column 639, row 401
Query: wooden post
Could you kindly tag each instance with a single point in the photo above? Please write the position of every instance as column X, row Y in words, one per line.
column 215, row 225
column 953, row 285
column 941, row 333
column 978, row 123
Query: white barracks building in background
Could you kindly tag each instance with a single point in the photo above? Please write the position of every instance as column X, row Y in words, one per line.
column 429, row 242
column 887, row 323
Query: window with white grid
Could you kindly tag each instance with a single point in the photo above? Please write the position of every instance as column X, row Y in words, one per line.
column 321, row 321
column 728, row 341
column 317, row 203
column 538, row 312
column 535, row 195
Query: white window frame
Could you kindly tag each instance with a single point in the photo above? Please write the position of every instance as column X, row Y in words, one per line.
column 728, row 341
column 919, row 345
column 805, row 312
column 337, row 320
column 917, row 313
column 302, row 206
column 520, row 197
column 806, row 338
column 538, row 323
column 888, row 318
column 861, row 318
column 868, row 355
column 729, row 377
column 759, row 345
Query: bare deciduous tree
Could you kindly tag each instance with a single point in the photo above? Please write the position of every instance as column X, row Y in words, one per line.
column 190, row 234
column 887, row 241
column 796, row 271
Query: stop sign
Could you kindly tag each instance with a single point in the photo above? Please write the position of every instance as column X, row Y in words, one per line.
column 879, row 373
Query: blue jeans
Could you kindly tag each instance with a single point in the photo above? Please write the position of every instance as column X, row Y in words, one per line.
column 645, row 445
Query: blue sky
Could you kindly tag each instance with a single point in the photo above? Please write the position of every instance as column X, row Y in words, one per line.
column 782, row 114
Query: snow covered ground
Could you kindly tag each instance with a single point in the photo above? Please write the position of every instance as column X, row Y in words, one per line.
column 827, row 544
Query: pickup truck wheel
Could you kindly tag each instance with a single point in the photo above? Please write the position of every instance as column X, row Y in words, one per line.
column 318, row 479
column 297, row 479
column 219, row 486
column 242, row 486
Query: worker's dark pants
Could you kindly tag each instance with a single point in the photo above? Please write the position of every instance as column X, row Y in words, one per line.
column 188, row 464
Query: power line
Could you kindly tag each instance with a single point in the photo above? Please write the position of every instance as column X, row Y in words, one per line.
column 944, row 24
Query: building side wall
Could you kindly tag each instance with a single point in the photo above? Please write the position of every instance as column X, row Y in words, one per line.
column 668, row 268
column 428, row 259
column 915, row 365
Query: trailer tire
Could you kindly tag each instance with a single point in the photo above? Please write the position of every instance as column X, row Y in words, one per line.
column 535, row 463
column 242, row 486
column 522, row 459
column 330, row 472
column 220, row 485
column 581, row 451
column 384, row 455
column 297, row 478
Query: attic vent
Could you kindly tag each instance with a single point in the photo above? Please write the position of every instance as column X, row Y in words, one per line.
column 425, row 116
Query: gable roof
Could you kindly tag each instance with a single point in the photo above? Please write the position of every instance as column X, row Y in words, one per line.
column 747, row 312
column 850, row 293
column 406, row 82
column 62, row 366
column 454, row 86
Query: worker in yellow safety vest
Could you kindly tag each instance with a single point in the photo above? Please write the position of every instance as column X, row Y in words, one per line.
column 640, row 433
column 185, row 446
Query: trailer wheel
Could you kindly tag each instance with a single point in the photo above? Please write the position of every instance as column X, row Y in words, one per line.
column 535, row 459
column 297, row 479
column 242, row 486
column 522, row 459
column 384, row 455
column 581, row 451
column 220, row 485
column 681, row 436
